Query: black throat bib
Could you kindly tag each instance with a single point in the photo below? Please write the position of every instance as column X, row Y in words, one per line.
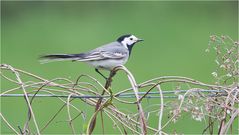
column 130, row 48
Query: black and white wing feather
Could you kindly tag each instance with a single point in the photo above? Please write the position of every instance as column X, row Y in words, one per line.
column 102, row 55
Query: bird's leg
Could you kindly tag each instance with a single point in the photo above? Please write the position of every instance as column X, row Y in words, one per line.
column 100, row 73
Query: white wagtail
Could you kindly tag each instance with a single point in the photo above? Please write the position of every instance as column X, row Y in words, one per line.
column 105, row 57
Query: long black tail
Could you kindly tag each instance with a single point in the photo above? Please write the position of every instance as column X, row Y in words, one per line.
column 60, row 57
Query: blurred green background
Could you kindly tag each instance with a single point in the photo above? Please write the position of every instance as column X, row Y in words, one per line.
column 176, row 35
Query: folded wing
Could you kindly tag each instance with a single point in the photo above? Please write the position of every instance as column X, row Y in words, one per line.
column 102, row 55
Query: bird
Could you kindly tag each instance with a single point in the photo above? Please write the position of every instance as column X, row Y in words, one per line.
column 105, row 57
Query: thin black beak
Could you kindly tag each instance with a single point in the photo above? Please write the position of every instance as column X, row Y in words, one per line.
column 139, row 40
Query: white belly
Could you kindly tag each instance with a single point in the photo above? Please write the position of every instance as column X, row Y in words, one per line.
column 107, row 64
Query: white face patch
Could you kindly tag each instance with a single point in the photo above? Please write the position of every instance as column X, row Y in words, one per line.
column 129, row 41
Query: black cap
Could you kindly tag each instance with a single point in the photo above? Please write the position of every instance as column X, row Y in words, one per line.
column 123, row 37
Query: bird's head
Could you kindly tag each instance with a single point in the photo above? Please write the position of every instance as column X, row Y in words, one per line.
column 128, row 40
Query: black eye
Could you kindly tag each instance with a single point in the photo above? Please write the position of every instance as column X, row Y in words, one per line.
column 131, row 38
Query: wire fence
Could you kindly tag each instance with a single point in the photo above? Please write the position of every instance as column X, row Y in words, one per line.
column 210, row 93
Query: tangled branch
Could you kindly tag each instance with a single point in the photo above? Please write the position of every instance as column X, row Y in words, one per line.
column 216, row 102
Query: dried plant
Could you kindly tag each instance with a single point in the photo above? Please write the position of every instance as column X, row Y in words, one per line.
column 211, row 103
